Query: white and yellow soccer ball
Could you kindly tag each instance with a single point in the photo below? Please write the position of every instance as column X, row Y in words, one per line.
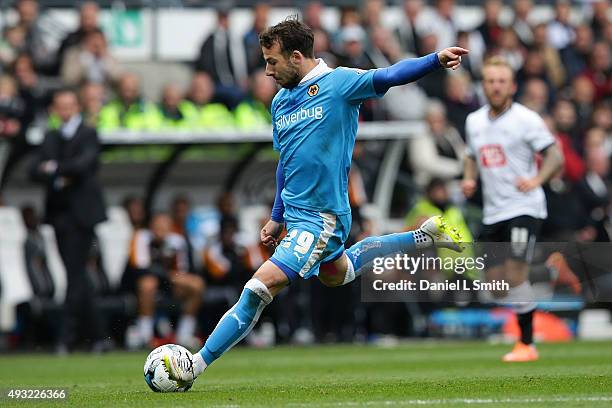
column 155, row 371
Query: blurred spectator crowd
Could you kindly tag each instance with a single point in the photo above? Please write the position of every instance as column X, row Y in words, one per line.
column 563, row 71
column 111, row 96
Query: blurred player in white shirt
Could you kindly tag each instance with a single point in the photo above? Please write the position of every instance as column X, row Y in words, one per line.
column 503, row 138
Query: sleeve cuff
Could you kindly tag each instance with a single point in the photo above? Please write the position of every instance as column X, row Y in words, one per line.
column 435, row 61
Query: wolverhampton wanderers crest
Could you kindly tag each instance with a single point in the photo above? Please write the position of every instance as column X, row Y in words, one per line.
column 313, row 90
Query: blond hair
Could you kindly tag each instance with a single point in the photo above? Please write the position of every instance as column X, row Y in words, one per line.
column 497, row 61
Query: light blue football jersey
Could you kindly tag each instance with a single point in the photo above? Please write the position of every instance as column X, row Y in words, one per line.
column 314, row 128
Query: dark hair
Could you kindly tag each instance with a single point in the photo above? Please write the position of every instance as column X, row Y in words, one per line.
column 66, row 90
column 291, row 35
column 435, row 182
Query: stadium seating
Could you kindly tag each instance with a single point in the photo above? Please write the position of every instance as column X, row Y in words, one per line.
column 114, row 238
column 54, row 263
column 15, row 284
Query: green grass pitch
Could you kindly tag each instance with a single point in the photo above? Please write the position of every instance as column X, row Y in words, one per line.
column 432, row 374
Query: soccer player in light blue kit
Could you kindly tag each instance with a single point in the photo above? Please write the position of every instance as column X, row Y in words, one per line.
column 315, row 119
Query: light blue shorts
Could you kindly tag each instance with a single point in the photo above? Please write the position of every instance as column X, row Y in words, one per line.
column 312, row 238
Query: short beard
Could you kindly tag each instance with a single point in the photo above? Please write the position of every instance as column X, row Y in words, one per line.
column 293, row 78
column 502, row 106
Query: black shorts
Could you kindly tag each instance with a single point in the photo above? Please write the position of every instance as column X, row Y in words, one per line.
column 131, row 275
column 519, row 236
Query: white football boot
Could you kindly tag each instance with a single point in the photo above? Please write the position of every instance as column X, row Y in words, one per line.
column 180, row 368
column 443, row 234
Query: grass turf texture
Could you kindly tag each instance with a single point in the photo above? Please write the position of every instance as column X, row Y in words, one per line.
column 436, row 374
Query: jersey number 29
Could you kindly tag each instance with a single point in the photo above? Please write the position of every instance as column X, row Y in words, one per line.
column 302, row 243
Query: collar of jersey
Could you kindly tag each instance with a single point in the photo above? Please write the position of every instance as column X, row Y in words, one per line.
column 320, row 69
column 500, row 115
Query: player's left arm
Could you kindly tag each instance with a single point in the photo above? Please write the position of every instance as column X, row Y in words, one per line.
column 278, row 208
column 270, row 233
column 410, row 70
column 538, row 137
column 552, row 162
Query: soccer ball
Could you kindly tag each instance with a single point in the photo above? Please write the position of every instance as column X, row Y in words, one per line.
column 155, row 371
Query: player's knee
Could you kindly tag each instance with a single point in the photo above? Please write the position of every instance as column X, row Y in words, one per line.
column 260, row 289
column 329, row 276
column 272, row 277
column 330, row 282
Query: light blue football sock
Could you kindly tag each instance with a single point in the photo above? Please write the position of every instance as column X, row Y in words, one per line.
column 365, row 251
column 237, row 322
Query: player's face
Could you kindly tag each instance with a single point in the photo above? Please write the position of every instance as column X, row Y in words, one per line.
column 280, row 68
column 499, row 86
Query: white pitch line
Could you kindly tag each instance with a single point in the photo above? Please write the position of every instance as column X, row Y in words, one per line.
column 454, row 401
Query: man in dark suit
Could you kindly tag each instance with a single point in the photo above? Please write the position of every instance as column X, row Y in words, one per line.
column 67, row 163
